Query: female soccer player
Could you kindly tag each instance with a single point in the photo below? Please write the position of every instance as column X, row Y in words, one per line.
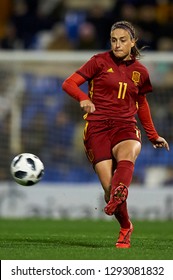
column 118, row 84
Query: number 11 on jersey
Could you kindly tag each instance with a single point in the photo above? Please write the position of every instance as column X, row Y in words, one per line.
column 122, row 90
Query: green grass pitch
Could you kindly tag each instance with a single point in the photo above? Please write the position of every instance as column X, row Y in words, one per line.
column 50, row 239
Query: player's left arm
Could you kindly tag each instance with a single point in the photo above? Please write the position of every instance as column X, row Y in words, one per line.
column 145, row 118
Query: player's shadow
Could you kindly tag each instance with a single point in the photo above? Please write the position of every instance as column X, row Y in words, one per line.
column 61, row 243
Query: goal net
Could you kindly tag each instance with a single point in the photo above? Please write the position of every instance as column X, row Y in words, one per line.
column 36, row 116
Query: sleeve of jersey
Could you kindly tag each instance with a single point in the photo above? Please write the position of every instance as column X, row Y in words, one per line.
column 72, row 84
column 145, row 83
column 145, row 118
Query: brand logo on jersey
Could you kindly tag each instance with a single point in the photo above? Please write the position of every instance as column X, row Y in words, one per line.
column 136, row 77
column 110, row 70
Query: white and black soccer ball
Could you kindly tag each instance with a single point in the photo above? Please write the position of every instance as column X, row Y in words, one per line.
column 27, row 169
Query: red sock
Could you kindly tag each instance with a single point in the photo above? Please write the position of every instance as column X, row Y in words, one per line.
column 123, row 173
column 122, row 216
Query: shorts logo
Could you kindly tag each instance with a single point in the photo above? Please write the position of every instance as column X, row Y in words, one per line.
column 90, row 155
column 136, row 77
column 138, row 132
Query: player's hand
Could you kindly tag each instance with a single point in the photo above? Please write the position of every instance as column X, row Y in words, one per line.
column 87, row 106
column 160, row 142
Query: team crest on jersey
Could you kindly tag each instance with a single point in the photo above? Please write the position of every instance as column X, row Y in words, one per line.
column 136, row 77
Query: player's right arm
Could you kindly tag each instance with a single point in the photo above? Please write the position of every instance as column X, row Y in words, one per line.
column 72, row 86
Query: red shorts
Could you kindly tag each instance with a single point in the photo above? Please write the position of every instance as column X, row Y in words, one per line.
column 101, row 136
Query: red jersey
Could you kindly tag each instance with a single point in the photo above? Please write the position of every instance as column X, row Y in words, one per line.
column 114, row 86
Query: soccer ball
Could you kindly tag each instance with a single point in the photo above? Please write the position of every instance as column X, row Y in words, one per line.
column 27, row 169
